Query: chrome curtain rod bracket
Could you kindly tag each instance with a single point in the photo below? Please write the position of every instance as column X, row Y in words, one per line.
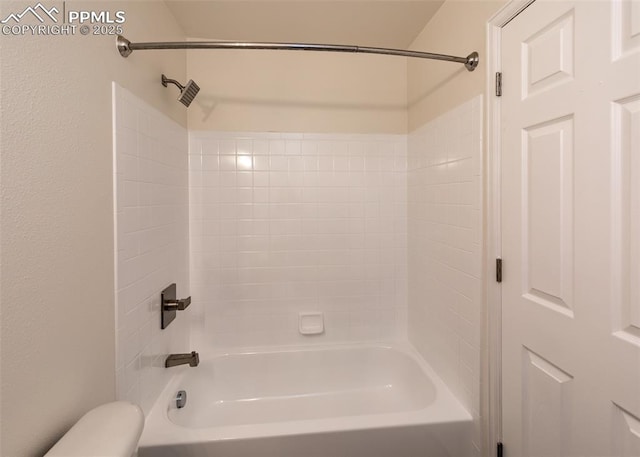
column 126, row 47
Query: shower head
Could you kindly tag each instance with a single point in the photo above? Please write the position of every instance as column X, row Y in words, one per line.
column 187, row 93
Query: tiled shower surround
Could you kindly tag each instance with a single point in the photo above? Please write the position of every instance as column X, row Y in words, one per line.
column 289, row 223
column 445, row 249
column 151, row 218
column 381, row 233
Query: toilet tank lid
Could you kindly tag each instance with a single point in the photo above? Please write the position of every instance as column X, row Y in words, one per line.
column 112, row 430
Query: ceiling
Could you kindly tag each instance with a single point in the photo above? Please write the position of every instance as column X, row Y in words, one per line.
column 380, row 23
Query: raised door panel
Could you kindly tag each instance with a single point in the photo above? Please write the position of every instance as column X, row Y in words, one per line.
column 547, row 211
column 626, row 152
column 548, row 56
column 626, row 433
column 626, row 27
column 546, row 408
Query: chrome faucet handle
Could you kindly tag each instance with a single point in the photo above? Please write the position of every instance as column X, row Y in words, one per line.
column 176, row 304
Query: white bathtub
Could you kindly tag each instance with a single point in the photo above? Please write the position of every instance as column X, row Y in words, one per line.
column 337, row 401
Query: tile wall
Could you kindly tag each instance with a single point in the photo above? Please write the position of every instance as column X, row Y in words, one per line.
column 445, row 249
column 287, row 223
column 151, row 218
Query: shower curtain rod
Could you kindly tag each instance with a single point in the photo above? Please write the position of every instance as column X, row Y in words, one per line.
column 126, row 47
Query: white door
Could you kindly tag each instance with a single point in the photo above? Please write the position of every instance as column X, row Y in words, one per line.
column 571, row 230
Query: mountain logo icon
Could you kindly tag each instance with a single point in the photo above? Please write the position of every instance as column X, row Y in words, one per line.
column 39, row 11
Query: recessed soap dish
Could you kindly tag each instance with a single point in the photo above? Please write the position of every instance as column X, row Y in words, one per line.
column 311, row 323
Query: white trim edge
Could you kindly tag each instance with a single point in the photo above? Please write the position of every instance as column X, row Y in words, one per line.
column 493, row 238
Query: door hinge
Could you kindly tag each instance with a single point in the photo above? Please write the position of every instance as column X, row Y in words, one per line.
column 499, row 450
column 498, row 270
column 498, row 84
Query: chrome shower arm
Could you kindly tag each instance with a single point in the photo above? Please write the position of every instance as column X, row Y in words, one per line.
column 125, row 47
column 166, row 80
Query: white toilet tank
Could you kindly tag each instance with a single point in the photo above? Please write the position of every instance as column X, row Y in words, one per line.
column 112, row 430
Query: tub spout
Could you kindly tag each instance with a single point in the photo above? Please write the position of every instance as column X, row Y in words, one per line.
column 173, row 360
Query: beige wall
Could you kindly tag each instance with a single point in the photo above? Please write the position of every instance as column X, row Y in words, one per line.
column 57, row 317
column 289, row 91
column 458, row 28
